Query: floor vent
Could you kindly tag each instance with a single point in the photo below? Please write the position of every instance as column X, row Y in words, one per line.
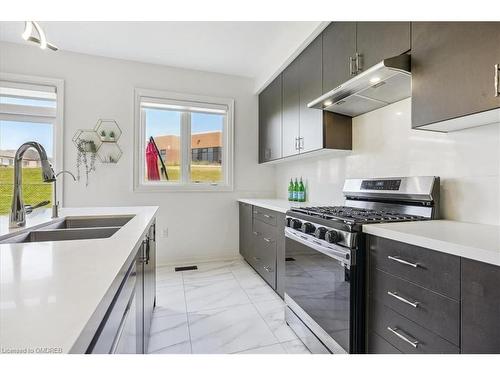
column 289, row 259
column 186, row 268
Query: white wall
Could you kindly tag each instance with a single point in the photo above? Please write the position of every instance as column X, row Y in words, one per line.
column 467, row 161
column 200, row 225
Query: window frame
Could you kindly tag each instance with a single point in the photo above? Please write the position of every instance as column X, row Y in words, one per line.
column 157, row 96
column 57, row 123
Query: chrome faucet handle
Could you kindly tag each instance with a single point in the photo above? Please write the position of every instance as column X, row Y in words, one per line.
column 55, row 205
column 29, row 208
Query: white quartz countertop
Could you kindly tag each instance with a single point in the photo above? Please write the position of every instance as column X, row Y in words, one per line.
column 279, row 205
column 51, row 291
column 473, row 241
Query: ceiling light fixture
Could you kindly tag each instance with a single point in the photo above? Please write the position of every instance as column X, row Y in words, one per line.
column 41, row 39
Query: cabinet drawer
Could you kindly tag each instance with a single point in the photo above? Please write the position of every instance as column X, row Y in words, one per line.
column 405, row 335
column 377, row 345
column 433, row 311
column 267, row 216
column 265, row 231
column 431, row 269
column 265, row 251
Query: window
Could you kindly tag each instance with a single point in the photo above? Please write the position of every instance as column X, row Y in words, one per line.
column 30, row 110
column 183, row 142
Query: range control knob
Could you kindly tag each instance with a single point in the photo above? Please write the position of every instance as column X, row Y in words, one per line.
column 320, row 233
column 332, row 236
column 289, row 221
column 296, row 224
column 308, row 228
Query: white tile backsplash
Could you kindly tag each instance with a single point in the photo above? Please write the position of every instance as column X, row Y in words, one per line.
column 384, row 144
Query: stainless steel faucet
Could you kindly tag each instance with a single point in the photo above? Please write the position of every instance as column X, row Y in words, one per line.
column 55, row 204
column 18, row 211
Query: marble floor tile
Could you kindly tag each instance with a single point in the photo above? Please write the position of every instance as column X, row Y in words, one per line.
column 257, row 289
column 295, row 347
column 228, row 330
column 167, row 276
column 273, row 313
column 171, row 299
column 213, row 274
column 270, row 349
column 169, row 334
column 204, row 295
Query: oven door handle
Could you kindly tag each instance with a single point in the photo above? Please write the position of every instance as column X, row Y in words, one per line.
column 343, row 256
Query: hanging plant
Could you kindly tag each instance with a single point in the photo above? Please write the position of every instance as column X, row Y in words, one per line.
column 86, row 154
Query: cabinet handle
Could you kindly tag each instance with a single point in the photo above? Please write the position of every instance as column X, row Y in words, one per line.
column 497, row 79
column 268, row 216
column 404, row 300
column 268, row 269
column 402, row 261
column 268, row 239
column 301, row 143
column 359, row 62
column 256, row 259
column 408, row 340
column 255, row 233
column 352, row 62
column 296, row 143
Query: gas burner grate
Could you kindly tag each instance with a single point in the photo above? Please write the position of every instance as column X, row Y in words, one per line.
column 356, row 215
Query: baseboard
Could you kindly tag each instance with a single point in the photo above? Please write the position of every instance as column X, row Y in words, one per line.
column 196, row 261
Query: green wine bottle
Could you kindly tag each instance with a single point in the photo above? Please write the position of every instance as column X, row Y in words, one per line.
column 290, row 190
column 295, row 191
column 302, row 192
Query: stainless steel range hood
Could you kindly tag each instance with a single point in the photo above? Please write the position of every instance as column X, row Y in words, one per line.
column 387, row 82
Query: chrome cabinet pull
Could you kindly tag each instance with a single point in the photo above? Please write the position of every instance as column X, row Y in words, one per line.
column 497, row 79
column 301, row 143
column 268, row 269
column 408, row 340
column 402, row 299
column 268, row 239
column 296, row 143
column 255, row 233
column 268, row 216
column 402, row 261
column 359, row 62
column 352, row 62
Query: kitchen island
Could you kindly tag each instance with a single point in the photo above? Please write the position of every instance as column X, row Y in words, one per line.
column 55, row 296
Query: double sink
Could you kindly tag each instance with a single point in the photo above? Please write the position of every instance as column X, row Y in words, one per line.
column 70, row 228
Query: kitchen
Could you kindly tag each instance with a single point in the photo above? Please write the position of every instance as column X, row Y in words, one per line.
column 176, row 226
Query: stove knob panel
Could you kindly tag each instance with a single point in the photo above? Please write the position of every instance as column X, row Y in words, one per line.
column 320, row 233
column 332, row 236
column 296, row 224
column 308, row 228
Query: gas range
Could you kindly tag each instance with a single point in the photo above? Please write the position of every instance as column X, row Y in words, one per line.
column 368, row 201
column 325, row 257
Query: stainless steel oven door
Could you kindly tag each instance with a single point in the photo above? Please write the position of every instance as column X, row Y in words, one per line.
column 317, row 287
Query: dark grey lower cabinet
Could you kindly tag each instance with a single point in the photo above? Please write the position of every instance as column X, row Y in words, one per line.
column 444, row 304
column 262, row 243
column 126, row 326
column 480, row 307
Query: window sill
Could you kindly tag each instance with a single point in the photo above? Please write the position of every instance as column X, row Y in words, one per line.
column 182, row 188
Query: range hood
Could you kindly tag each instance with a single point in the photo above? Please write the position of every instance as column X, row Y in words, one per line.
column 387, row 82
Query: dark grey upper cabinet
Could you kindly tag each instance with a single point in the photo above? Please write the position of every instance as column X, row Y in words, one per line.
column 480, row 307
column 339, row 45
column 310, row 88
column 376, row 41
column 291, row 109
column 453, row 69
column 270, row 120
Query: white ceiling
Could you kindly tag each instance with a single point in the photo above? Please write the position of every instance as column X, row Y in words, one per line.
column 250, row 49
